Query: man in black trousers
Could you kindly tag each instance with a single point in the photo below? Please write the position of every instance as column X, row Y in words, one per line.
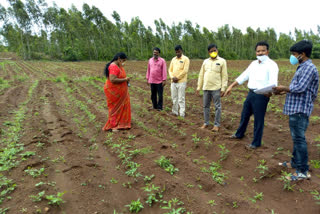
column 261, row 73
column 156, row 77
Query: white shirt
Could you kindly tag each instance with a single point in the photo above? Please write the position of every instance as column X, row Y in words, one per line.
column 260, row 75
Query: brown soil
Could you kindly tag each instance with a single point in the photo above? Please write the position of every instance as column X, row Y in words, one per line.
column 63, row 122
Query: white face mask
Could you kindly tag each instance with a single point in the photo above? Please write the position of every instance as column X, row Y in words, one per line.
column 262, row 58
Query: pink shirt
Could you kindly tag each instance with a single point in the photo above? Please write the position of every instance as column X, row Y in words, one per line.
column 157, row 70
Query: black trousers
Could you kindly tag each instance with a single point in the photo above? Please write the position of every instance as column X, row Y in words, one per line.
column 255, row 104
column 157, row 95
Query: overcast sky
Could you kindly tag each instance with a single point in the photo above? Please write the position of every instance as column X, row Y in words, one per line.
column 282, row 15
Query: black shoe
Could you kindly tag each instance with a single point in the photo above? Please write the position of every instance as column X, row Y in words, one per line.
column 235, row 137
column 250, row 147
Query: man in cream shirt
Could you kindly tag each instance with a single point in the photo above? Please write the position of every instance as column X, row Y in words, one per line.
column 260, row 73
column 178, row 72
column 213, row 80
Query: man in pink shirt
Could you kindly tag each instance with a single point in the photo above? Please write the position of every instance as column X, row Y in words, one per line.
column 156, row 77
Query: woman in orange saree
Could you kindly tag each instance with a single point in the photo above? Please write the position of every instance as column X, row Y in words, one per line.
column 117, row 94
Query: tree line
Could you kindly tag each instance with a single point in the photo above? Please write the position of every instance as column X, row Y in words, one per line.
column 36, row 31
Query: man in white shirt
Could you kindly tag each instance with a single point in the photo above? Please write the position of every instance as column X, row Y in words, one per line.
column 260, row 73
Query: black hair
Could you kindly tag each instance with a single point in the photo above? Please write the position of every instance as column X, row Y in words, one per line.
column 178, row 47
column 157, row 49
column 302, row 46
column 115, row 58
column 262, row 43
column 212, row 46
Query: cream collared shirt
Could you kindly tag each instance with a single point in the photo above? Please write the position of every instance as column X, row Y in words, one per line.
column 179, row 68
column 213, row 74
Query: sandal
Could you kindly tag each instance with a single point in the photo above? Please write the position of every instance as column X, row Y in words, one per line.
column 298, row 176
column 285, row 164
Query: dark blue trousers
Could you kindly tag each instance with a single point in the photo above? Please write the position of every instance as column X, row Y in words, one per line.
column 298, row 124
column 255, row 104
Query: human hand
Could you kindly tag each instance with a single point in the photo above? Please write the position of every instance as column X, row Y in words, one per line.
column 175, row 79
column 164, row 83
column 227, row 92
column 279, row 90
column 268, row 94
column 222, row 93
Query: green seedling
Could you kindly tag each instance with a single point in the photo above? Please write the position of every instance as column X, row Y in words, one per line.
column 166, row 165
column 172, row 205
column 55, row 199
column 259, row 196
column 316, row 196
column 212, row 203
column 213, row 170
column 113, row 181
column 135, row 206
column 195, row 139
column 286, row 182
column 34, row 172
column 38, row 197
column 152, row 194
column 315, row 164
column 27, row 154
column 148, row 178
column 234, row 204
column 223, row 152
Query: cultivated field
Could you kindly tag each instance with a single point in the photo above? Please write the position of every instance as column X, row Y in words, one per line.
column 54, row 158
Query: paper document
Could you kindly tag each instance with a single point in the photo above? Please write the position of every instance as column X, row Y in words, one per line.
column 265, row 90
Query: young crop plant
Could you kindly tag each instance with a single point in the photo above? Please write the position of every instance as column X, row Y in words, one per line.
column 207, row 142
column 213, row 170
column 148, row 178
column 172, row 206
column 212, row 203
column 55, row 199
column 258, row 196
column 315, row 164
column 132, row 169
column 262, row 168
column 34, row 172
column 142, row 151
column 195, row 139
column 286, row 182
column 164, row 163
column 223, row 152
column 316, row 196
column 135, row 206
column 27, row 154
column 113, row 181
column 6, row 187
column 153, row 194
column 38, row 197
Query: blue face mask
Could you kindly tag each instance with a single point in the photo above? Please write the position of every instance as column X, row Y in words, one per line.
column 294, row 60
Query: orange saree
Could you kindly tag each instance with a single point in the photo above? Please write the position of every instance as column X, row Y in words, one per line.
column 118, row 101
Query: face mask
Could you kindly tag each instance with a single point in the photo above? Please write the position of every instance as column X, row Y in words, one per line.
column 294, row 60
column 123, row 64
column 213, row 54
column 262, row 58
